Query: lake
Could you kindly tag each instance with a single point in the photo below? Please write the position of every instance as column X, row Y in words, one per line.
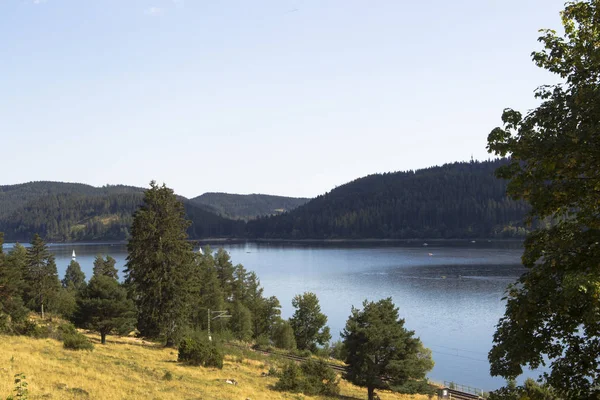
column 448, row 292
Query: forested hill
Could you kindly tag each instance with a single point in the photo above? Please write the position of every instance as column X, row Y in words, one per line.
column 248, row 206
column 460, row 200
column 71, row 212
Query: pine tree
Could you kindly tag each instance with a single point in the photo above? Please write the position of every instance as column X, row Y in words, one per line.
column 105, row 267
column 41, row 276
column 381, row 352
column 160, row 264
column 105, row 308
column 74, row 277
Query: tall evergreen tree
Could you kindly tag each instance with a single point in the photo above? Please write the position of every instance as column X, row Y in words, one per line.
column 41, row 276
column 381, row 352
column 308, row 322
column 160, row 264
column 11, row 282
column 205, row 288
column 105, row 267
column 74, row 277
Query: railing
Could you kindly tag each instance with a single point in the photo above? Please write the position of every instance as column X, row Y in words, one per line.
column 464, row 388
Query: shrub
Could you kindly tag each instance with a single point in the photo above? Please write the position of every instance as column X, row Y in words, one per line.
column 168, row 376
column 311, row 378
column 76, row 341
column 415, row 387
column 201, row 352
column 283, row 336
column 21, row 391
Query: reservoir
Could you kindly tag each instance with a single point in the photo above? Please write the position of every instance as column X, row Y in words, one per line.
column 449, row 293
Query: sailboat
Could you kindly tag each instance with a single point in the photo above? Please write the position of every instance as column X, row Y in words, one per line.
column 73, row 256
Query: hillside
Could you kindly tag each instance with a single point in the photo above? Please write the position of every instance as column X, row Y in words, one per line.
column 74, row 212
column 459, row 200
column 128, row 368
column 248, row 206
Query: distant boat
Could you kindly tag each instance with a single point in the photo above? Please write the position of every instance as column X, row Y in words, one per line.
column 430, row 254
column 472, row 241
column 425, row 244
column 73, row 256
column 200, row 251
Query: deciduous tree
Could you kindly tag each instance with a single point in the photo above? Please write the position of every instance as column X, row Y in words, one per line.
column 552, row 311
column 308, row 322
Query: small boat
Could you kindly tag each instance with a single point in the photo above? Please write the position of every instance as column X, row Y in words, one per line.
column 430, row 254
column 425, row 244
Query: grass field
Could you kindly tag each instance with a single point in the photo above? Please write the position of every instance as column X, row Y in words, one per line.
column 127, row 368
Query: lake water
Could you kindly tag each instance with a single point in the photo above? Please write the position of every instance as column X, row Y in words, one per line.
column 448, row 292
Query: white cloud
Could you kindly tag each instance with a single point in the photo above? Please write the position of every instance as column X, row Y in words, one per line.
column 39, row 1
column 153, row 11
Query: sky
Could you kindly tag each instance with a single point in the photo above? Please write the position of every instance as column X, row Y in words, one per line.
column 288, row 97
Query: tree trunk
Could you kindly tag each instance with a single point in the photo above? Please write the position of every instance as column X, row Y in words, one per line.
column 170, row 342
column 102, row 337
column 42, row 310
column 371, row 391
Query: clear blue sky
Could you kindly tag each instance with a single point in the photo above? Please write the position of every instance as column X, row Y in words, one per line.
column 289, row 97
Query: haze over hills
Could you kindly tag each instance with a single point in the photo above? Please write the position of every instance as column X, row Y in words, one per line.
column 459, row 200
column 248, row 206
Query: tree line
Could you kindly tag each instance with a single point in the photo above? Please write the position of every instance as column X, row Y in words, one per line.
column 460, row 200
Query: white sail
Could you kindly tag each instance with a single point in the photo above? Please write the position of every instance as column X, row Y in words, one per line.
column 73, row 256
column 200, row 251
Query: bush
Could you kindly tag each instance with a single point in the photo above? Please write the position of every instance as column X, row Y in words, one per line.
column 415, row 387
column 200, row 351
column 283, row 336
column 76, row 341
column 311, row 378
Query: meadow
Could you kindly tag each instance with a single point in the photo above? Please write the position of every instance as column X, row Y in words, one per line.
column 130, row 368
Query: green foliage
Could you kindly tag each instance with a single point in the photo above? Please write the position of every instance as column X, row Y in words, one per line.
column 421, row 386
column 308, row 322
column 247, row 206
column 74, row 212
column 551, row 313
column 313, row 378
column 241, row 322
column 337, row 350
column 74, row 277
column 459, row 200
column 283, row 336
column 105, row 308
column 158, row 247
column 199, row 351
column 64, row 302
column 531, row 390
column 168, row 376
column 76, row 341
column 380, row 351
column 11, row 286
column 41, row 276
column 21, row 388
column 105, row 267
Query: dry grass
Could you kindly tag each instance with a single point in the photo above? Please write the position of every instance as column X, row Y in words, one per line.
column 126, row 368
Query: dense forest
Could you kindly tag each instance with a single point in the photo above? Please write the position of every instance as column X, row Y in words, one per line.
column 248, row 206
column 459, row 200
column 76, row 212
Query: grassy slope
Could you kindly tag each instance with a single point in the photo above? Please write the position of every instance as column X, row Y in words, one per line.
column 126, row 368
